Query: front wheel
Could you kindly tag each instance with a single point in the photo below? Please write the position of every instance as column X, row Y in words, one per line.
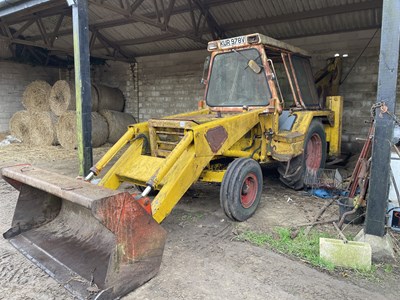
column 313, row 158
column 241, row 189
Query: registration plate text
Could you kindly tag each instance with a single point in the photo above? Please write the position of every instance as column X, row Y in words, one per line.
column 233, row 42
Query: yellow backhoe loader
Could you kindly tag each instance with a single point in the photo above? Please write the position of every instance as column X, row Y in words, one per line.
column 261, row 106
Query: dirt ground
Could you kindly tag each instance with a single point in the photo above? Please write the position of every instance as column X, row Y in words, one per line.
column 202, row 258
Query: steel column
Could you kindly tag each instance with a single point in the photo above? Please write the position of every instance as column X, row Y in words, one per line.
column 384, row 124
column 80, row 24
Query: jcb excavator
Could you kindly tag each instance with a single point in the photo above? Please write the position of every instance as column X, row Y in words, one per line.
column 261, row 105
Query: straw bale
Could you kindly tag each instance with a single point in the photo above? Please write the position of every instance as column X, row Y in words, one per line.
column 20, row 126
column 66, row 130
column 43, row 130
column 62, row 97
column 117, row 123
column 36, row 96
column 110, row 98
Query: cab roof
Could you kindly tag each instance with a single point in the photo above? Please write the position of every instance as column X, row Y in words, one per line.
column 254, row 39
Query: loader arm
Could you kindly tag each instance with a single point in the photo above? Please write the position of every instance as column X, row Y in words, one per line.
column 133, row 132
column 174, row 174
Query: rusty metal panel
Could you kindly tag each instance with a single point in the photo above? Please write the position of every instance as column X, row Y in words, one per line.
column 216, row 138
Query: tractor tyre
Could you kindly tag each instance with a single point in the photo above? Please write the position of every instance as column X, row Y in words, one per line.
column 241, row 189
column 312, row 159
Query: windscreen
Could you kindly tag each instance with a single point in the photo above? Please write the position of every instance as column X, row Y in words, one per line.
column 234, row 83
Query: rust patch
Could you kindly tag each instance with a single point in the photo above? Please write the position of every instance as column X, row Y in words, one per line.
column 136, row 231
column 216, row 138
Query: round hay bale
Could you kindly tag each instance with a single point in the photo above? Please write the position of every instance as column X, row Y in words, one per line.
column 117, row 123
column 36, row 96
column 66, row 130
column 95, row 98
column 110, row 98
column 20, row 125
column 62, row 97
column 43, row 129
column 99, row 130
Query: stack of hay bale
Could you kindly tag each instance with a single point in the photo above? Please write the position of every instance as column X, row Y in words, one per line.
column 50, row 117
column 109, row 123
column 36, row 124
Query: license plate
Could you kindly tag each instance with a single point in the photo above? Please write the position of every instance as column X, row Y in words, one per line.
column 233, row 42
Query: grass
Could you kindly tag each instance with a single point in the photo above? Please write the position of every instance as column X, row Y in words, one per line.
column 191, row 217
column 388, row 268
column 303, row 247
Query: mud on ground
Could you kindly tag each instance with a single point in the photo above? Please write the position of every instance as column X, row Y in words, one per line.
column 202, row 258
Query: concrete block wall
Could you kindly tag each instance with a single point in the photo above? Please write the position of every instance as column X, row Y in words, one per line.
column 156, row 86
column 170, row 84
column 14, row 78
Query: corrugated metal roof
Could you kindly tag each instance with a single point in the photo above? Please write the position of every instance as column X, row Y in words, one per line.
column 144, row 36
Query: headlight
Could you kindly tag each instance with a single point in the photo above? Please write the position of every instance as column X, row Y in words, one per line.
column 253, row 39
column 212, row 46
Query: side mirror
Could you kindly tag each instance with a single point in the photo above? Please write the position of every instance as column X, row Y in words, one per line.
column 206, row 66
column 254, row 66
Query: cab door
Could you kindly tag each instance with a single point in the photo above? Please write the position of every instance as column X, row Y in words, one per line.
column 298, row 69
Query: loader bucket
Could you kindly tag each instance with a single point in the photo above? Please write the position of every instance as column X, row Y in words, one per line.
column 98, row 243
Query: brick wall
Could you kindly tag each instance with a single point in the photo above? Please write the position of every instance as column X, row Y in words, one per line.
column 14, row 78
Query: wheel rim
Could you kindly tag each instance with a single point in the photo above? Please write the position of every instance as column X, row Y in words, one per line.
column 314, row 152
column 249, row 190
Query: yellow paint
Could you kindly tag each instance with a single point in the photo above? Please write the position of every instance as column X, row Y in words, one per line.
column 140, row 168
column 172, row 159
column 212, row 176
column 248, row 134
column 180, row 177
column 110, row 179
column 236, row 126
column 238, row 153
column 288, row 144
column 334, row 133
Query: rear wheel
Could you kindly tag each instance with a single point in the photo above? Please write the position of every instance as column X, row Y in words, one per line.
column 241, row 189
column 312, row 159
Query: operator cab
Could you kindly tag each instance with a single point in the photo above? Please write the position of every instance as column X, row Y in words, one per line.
column 252, row 71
